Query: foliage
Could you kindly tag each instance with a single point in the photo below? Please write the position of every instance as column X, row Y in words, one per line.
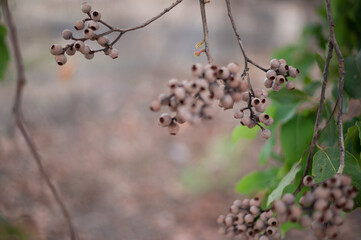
column 295, row 112
column 4, row 53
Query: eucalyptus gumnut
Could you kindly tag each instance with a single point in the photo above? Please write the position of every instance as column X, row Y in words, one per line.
column 89, row 33
column 79, row 45
column 95, row 15
column 85, row 7
column 103, row 41
column 308, row 181
column 93, row 25
column 155, row 106
column 67, row 34
column 266, row 133
column 271, row 74
column 274, row 64
column 114, row 53
column 56, row 49
column 290, row 85
column 70, row 51
column 60, row 59
column 233, row 67
column 79, row 25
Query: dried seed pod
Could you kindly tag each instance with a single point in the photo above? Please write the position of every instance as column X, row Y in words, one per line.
column 271, row 74
column 93, row 25
column 103, row 41
column 293, row 72
column 60, row 59
column 85, row 7
column 67, row 34
column 56, row 49
column 283, row 68
column 276, row 87
column 266, row 134
column 89, row 55
column 288, row 199
column 88, row 33
column 290, row 85
column 79, row 46
column 114, row 53
column 255, row 202
column 238, row 114
column 70, row 51
column 165, row 120
column 233, row 67
column 308, row 181
column 155, row 106
column 79, row 25
column 95, row 15
column 274, row 64
column 267, row 83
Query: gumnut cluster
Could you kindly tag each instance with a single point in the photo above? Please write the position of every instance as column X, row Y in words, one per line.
column 246, row 220
column 88, row 28
column 193, row 100
column 325, row 203
column 278, row 74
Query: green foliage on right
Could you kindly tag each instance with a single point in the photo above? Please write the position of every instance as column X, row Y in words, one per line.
column 4, row 53
column 326, row 163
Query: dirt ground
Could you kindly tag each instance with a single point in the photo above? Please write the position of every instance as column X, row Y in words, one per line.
column 121, row 175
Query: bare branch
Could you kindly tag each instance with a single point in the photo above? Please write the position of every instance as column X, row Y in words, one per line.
column 246, row 59
column 316, row 132
column 205, row 31
column 341, row 70
column 332, row 45
column 17, row 111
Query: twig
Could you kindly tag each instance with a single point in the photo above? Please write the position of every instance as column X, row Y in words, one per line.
column 246, row 59
column 123, row 31
column 205, row 31
column 18, row 114
column 332, row 45
column 341, row 70
column 316, row 132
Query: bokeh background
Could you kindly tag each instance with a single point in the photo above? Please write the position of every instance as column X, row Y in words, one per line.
column 121, row 175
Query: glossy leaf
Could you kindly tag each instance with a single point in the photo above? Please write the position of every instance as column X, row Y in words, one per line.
column 326, row 163
column 4, row 53
column 256, row 181
column 286, row 180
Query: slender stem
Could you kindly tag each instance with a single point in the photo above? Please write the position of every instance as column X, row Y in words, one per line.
column 246, row 59
column 318, row 117
column 341, row 69
column 332, row 45
column 17, row 111
column 205, row 31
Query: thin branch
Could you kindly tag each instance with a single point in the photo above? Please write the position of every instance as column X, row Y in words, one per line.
column 122, row 31
column 205, row 31
column 17, row 111
column 332, row 45
column 341, row 69
column 246, row 59
column 153, row 18
column 316, row 132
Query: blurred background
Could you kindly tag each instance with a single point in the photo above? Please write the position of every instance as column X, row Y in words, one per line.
column 121, row 175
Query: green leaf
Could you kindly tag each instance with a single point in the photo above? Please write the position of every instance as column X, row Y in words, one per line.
column 285, row 227
column 256, row 181
column 326, row 163
column 353, row 76
column 320, row 62
column 286, row 180
column 290, row 97
column 352, row 141
column 296, row 135
column 4, row 53
column 267, row 148
column 242, row 132
column 312, row 87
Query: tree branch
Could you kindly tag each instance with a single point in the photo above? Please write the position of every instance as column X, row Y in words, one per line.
column 17, row 111
column 341, row 70
column 332, row 45
column 246, row 59
column 205, row 31
column 316, row 132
